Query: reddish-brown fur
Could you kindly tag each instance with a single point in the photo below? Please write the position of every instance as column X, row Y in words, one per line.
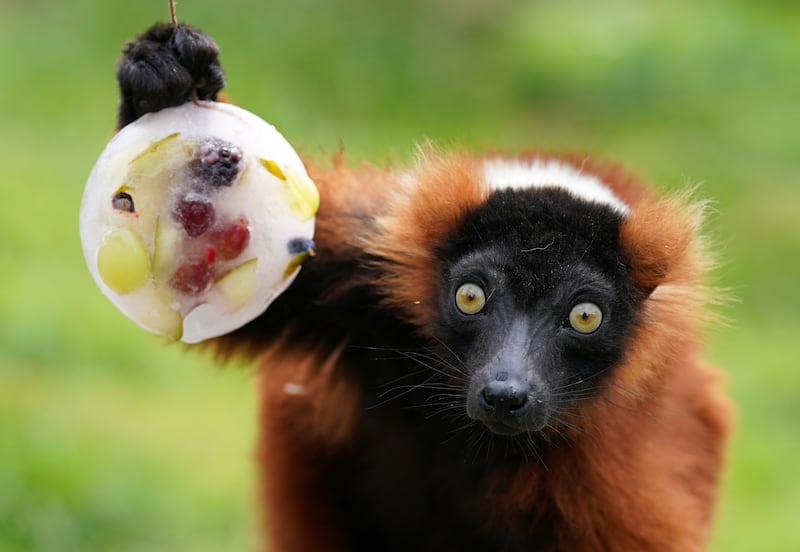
column 639, row 471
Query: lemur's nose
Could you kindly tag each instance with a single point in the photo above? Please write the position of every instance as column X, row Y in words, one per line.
column 505, row 398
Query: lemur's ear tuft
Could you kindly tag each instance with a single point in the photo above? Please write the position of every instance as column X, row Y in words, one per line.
column 659, row 240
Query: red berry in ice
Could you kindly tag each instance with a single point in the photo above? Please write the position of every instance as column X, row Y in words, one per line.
column 195, row 215
column 192, row 278
column 210, row 254
column 231, row 240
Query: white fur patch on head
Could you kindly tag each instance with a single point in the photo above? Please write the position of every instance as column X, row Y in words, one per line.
column 501, row 174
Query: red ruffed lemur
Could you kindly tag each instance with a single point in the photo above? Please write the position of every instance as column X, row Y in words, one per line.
column 487, row 353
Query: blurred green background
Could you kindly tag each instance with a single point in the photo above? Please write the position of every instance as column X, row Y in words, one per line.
column 110, row 440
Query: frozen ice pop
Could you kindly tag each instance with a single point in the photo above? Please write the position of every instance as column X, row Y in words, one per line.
column 195, row 218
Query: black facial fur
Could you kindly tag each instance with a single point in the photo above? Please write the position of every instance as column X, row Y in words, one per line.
column 165, row 67
column 536, row 254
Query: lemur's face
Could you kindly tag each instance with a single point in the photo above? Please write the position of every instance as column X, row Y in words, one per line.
column 536, row 306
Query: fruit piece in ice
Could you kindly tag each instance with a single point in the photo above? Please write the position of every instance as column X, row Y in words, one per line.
column 231, row 240
column 299, row 191
column 303, row 196
column 192, row 278
column 238, row 285
column 165, row 247
column 273, row 168
column 122, row 201
column 154, row 146
column 122, row 261
column 210, row 254
column 195, row 215
column 216, row 163
column 301, row 245
column 159, row 312
column 301, row 249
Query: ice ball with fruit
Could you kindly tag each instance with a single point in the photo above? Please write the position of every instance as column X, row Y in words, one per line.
column 195, row 218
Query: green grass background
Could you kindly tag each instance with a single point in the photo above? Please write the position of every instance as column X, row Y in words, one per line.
column 110, row 440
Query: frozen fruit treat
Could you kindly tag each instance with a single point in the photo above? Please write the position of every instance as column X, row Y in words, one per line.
column 191, row 219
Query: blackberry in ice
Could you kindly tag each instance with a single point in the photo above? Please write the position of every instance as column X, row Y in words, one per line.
column 216, row 163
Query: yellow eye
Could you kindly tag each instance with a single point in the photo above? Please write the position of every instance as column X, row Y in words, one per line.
column 585, row 317
column 470, row 298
